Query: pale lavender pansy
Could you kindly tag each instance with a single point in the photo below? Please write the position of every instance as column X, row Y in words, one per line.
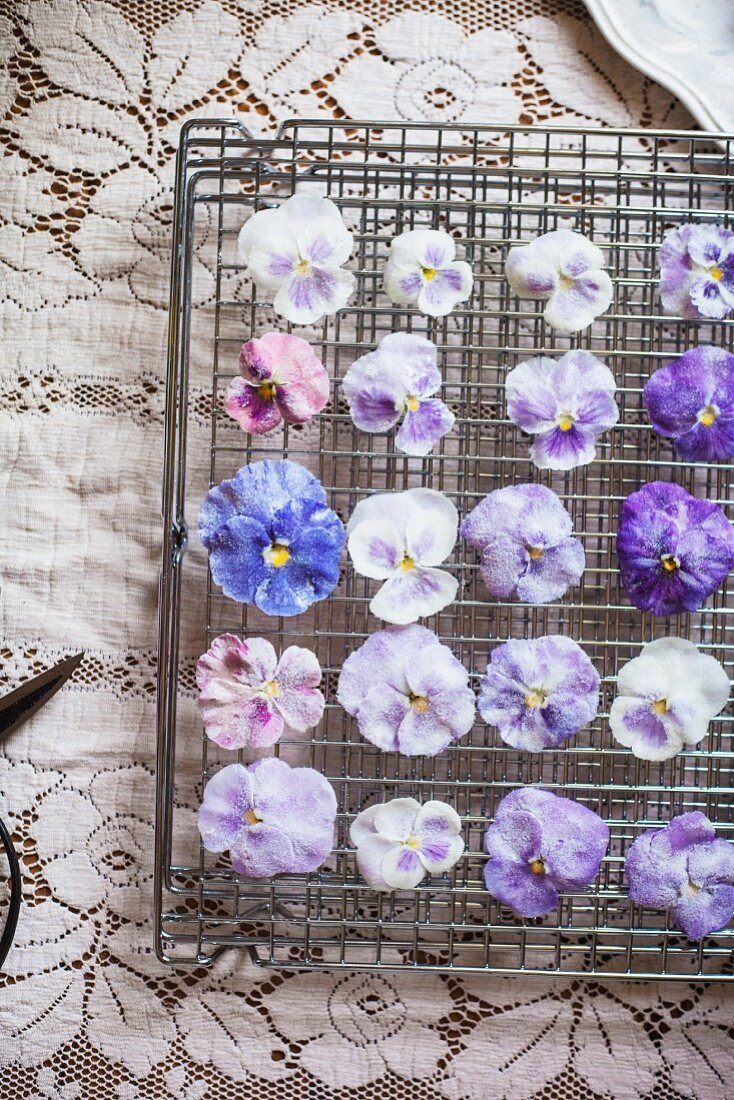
column 399, row 380
column 407, row 691
column 524, row 536
column 280, row 379
column 666, row 698
column 248, row 697
column 398, row 843
column 539, row 692
column 540, row 844
column 294, row 253
column 697, row 271
column 686, row 869
column 566, row 404
column 691, row 401
column 401, row 538
column 272, row 818
column 422, row 270
column 565, row 270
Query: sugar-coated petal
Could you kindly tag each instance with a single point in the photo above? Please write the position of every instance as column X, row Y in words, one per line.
column 381, row 714
column 516, row 834
column 392, row 507
column 363, row 825
column 376, row 389
column 700, row 914
column 406, row 597
column 396, row 820
column 432, row 526
column 432, row 248
column 438, row 827
column 305, row 299
column 260, row 490
column 376, row 548
column 227, row 797
column 423, row 427
column 237, row 560
column 574, row 308
column 264, row 850
column 451, row 285
column 402, row 868
column 691, row 401
column 371, row 851
column 381, row 659
column 563, row 450
column 514, row 885
column 297, row 695
column 252, row 412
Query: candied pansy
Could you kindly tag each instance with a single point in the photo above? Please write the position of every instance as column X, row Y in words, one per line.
column 271, row 537
column 565, row 270
column 666, row 698
column 401, row 538
column 407, row 691
column 280, row 379
column 294, row 253
column 398, row 843
column 539, row 692
column 398, row 381
column 271, row 818
column 687, row 870
column 248, row 697
column 697, row 271
column 422, row 271
column 674, row 549
column 691, row 401
column 523, row 534
column 565, row 403
column 540, row 844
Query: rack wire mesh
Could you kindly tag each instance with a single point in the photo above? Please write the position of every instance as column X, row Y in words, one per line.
column 488, row 186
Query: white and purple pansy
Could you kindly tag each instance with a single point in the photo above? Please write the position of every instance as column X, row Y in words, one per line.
column 524, row 536
column 666, row 698
column 697, row 271
column 280, row 379
column 407, row 691
column 566, row 271
column 565, row 403
column 691, row 401
column 294, row 253
column 398, row 843
column 399, row 380
column 401, row 539
column 422, row 271
column 248, row 697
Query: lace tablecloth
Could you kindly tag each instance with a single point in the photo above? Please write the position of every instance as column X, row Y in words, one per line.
column 93, row 95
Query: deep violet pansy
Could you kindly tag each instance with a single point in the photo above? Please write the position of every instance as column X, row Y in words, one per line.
column 294, row 253
column 249, row 697
column 280, row 379
column 422, row 270
column 272, row 818
column 697, row 271
column 691, row 401
column 566, row 404
column 399, row 380
column 271, row 537
column 666, row 698
column 674, row 549
column 524, row 536
column 398, row 843
column 566, row 271
column 540, row 844
column 408, row 692
column 686, row 869
column 538, row 692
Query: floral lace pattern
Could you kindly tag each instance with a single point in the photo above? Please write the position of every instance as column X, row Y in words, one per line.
column 92, row 96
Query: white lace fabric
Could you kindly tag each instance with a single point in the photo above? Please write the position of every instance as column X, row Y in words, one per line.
column 93, row 95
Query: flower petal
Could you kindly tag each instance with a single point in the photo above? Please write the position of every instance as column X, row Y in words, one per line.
column 634, row 724
column 304, row 299
column 227, row 797
column 363, row 825
column 376, row 548
column 371, row 852
column 406, row 597
column 298, row 697
column 574, row 308
column 252, row 412
column 423, row 248
column 388, row 651
column 423, row 428
column 439, row 828
column 551, row 575
column 402, row 868
column 515, row 885
column 563, row 450
column 380, row 715
column 396, row 820
column 452, row 284
column 432, row 526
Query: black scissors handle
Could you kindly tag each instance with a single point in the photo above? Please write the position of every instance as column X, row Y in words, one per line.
column 11, row 921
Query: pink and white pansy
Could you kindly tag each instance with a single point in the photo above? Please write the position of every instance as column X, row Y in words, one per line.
column 294, row 253
column 401, row 539
column 399, row 842
column 280, row 379
column 249, row 698
column 422, row 271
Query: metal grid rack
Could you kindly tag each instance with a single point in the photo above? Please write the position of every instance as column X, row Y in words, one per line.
column 489, row 187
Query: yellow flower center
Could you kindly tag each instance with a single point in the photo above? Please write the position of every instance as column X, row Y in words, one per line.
column 407, row 564
column 303, row 267
column 660, row 706
column 565, row 282
column 266, row 391
column 670, row 563
column 708, row 416
column 429, row 273
column 413, row 842
column 537, row 866
column 534, row 698
column 277, row 555
column 419, row 703
column 566, row 422
column 717, row 273
column 252, row 817
column 534, row 552
column 270, row 688
column 412, row 403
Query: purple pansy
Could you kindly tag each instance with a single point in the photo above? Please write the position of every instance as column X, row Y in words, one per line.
column 400, row 538
column 686, row 869
column 248, row 697
column 674, row 550
column 398, row 843
column 539, row 692
column 697, row 271
column 691, row 401
column 422, row 270
column 566, row 404
column 272, row 818
column 271, row 538
column 540, row 844
column 397, row 380
column 566, row 271
column 294, row 253
column 280, row 379
column 523, row 534
column 666, row 698
column 407, row 691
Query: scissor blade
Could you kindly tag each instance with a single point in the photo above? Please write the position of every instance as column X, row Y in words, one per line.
column 18, row 706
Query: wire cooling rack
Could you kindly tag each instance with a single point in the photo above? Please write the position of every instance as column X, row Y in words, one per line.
column 489, row 187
